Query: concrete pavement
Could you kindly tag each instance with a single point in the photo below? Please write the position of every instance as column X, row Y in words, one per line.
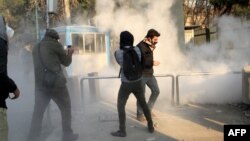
column 191, row 122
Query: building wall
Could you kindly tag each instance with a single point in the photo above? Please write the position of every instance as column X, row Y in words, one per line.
column 177, row 11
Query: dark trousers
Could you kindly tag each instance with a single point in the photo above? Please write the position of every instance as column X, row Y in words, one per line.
column 42, row 98
column 151, row 82
column 124, row 92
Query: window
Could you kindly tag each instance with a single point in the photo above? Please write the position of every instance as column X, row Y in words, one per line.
column 89, row 42
column 100, row 43
column 77, row 41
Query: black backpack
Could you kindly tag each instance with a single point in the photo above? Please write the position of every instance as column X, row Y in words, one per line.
column 132, row 67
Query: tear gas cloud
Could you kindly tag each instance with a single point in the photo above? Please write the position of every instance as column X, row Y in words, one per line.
column 228, row 53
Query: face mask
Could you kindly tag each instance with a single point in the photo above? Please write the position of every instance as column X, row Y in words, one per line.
column 154, row 43
column 9, row 31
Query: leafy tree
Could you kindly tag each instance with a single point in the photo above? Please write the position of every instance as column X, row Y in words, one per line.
column 234, row 7
column 76, row 6
column 11, row 10
column 17, row 11
column 197, row 11
column 201, row 12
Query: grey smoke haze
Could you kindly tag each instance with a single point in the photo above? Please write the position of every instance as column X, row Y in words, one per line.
column 229, row 53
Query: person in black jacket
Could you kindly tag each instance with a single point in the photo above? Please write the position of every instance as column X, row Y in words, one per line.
column 147, row 46
column 7, row 85
column 127, row 87
column 48, row 56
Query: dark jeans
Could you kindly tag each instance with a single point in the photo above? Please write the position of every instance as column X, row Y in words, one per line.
column 42, row 98
column 124, row 92
column 151, row 82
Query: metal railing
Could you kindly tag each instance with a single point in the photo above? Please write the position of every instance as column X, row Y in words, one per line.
column 172, row 89
column 115, row 77
column 92, row 77
column 174, row 79
column 197, row 74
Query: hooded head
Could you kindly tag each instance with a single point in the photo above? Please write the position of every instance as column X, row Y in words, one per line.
column 52, row 34
column 126, row 39
column 3, row 33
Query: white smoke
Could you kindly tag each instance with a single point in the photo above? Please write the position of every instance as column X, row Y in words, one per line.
column 138, row 16
column 229, row 53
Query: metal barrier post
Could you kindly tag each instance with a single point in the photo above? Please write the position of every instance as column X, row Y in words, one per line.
column 245, row 85
column 172, row 100
column 81, row 89
column 92, row 78
column 177, row 90
column 197, row 74
column 172, row 90
column 94, row 90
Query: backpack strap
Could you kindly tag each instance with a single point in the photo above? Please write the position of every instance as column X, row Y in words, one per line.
column 124, row 49
column 119, row 75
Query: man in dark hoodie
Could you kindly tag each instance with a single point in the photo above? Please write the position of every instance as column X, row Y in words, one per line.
column 49, row 55
column 127, row 87
column 7, row 85
column 147, row 46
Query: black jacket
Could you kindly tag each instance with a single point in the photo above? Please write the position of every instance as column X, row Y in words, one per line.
column 53, row 55
column 147, row 58
column 7, row 85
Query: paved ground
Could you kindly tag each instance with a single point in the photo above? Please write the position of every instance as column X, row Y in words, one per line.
column 94, row 122
column 189, row 122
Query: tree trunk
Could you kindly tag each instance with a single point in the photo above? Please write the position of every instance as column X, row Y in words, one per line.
column 67, row 12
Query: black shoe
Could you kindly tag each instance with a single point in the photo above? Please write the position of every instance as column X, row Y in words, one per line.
column 119, row 133
column 70, row 137
column 151, row 129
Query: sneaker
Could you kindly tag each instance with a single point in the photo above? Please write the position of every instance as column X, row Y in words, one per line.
column 70, row 137
column 141, row 118
column 119, row 133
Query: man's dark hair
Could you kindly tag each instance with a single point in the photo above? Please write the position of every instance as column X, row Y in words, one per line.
column 151, row 33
